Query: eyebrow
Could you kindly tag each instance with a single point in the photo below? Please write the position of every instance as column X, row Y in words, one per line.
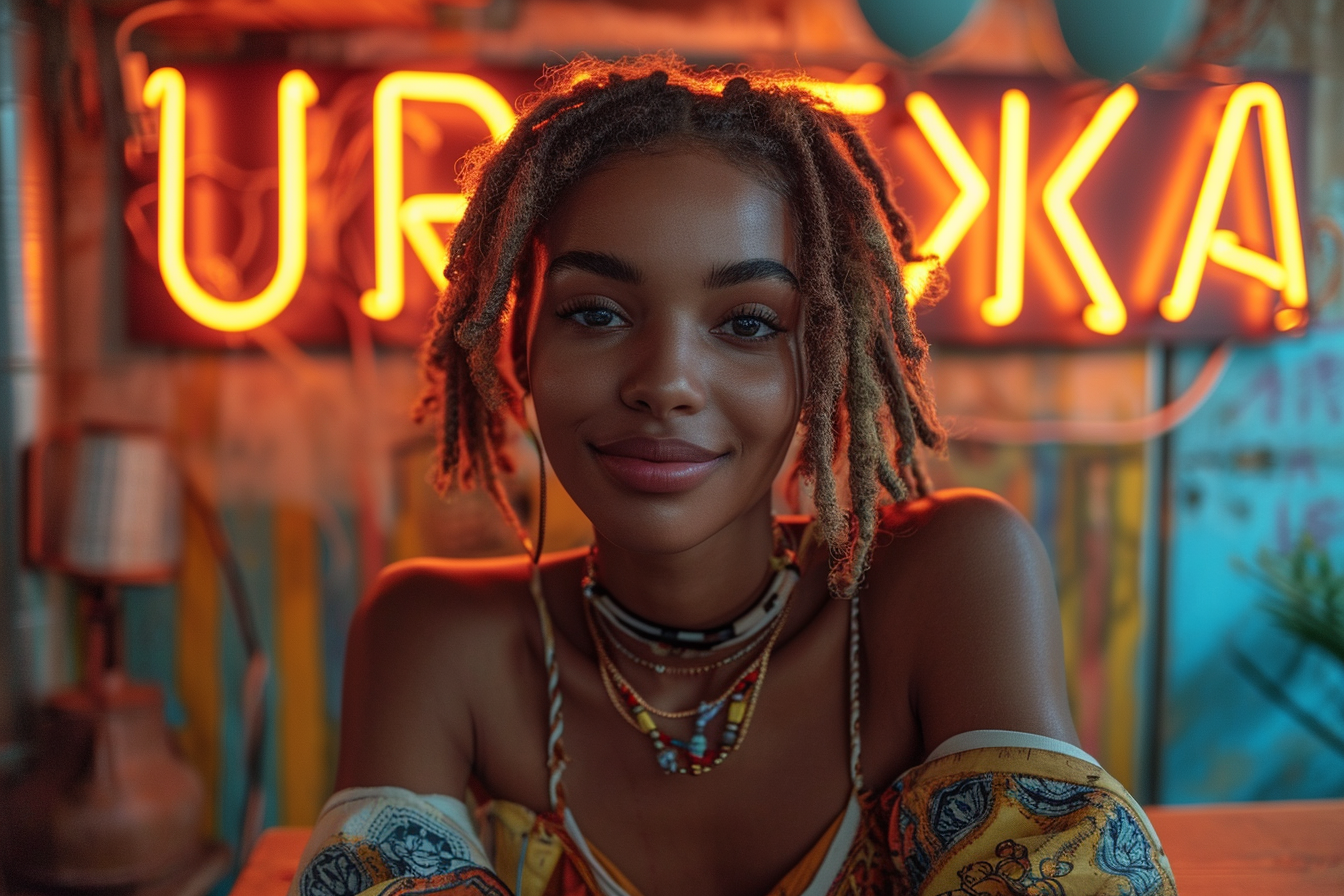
column 599, row 263
column 747, row 271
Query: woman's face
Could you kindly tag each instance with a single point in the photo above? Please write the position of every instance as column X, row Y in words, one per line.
column 665, row 356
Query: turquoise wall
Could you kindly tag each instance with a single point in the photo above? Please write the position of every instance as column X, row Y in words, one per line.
column 1259, row 465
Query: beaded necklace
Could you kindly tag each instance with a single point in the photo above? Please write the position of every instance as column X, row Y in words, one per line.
column 763, row 621
column 740, row 699
column 602, row 642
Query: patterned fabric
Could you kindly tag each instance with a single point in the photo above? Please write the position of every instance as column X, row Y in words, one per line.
column 1020, row 822
column 868, row 868
column 1006, row 821
column 995, row 821
column 386, row 841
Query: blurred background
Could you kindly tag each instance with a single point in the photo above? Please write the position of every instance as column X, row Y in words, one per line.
column 222, row 225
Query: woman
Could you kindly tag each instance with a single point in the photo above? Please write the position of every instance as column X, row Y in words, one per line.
column 684, row 272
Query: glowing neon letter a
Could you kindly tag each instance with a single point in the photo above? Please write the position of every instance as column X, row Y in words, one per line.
column 1287, row 274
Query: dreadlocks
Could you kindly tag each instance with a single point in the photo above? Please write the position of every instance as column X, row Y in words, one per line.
column 867, row 403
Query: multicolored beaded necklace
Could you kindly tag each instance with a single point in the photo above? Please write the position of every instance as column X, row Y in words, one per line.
column 664, row 668
column 740, row 699
column 762, row 622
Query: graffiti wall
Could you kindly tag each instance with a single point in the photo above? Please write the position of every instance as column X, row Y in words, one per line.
column 1257, row 468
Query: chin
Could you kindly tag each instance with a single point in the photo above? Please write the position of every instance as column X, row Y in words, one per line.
column 669, row 524
column 656, row 529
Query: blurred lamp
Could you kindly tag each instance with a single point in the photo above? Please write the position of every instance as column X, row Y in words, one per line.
column 124, row 517
column 1114, row 40
column 914, row 27
column 106, row 801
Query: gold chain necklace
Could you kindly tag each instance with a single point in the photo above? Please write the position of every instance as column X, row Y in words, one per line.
column 662, row 668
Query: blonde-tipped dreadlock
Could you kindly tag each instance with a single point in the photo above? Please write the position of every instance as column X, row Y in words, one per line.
column 867, row 395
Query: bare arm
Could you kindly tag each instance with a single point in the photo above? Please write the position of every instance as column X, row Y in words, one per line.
column 406, row 750
column 405, row 716
column 990, row 652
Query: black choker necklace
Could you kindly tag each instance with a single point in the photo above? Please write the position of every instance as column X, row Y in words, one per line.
column 746, row 626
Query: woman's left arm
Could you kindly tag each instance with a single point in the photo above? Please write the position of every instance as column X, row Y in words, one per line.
column 988, row 641
column 1009, row 808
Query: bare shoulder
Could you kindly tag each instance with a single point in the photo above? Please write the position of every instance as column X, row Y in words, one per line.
column 969, row 591
column 442, row 601
column 422, row 644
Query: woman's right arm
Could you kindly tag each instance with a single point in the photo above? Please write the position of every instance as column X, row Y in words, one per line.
column 397, row 824
column 405, row 712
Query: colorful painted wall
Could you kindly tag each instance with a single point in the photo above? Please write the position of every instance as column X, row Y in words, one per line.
column 318, row 475
column 1257, row 468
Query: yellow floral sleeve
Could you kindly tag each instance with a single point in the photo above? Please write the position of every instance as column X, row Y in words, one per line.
column 1013, row 821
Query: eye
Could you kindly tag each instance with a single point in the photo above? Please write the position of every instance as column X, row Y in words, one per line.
column 591, row 314
column 749, row 327
column 594, row 317
column 755, row 324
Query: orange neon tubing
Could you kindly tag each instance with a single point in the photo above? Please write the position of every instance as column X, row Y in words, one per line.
column 1286, row 275
column 395, row 214
column 166, row 89
column 851, row 99
column 947, row 234
column 1106, row 313
column 1005, row 305
column 971, row 199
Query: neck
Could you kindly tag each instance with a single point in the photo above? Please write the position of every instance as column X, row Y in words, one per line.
column 703, row 586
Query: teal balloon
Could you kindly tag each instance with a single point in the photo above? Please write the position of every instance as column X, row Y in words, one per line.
column 913, row 27
column 1114, row 40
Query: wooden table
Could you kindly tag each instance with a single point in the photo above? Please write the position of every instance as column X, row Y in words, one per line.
column 1265, row 849
column 1235, row 849
column 195, row 878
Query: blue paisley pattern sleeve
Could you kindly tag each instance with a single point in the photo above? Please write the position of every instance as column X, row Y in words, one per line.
column 386, row 841
column 1013, row 821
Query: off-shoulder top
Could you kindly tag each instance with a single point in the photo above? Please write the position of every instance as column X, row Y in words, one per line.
column 987, row 812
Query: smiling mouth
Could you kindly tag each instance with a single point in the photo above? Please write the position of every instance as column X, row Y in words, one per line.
column 658, row 466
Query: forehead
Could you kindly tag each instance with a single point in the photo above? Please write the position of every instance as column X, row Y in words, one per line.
column 686, row 207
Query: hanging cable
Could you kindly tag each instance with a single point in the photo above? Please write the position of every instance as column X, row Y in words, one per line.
column 1098, row 432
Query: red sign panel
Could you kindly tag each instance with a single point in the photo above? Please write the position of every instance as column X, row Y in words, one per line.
column 313, row 201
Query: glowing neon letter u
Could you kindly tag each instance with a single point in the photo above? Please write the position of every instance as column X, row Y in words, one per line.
column 167, row 90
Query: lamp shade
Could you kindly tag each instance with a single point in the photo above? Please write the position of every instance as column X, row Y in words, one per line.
column 1114, row 40
column 123, row 520
column 913, row 27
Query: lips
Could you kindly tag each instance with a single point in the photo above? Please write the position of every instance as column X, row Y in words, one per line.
column 659, row 466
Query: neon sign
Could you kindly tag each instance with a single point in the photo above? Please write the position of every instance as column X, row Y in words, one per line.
column 1288, row 273
column 415, row 216
column 1107, row 210
column 1128, row 215
column 166, row 90
column 1106, row 314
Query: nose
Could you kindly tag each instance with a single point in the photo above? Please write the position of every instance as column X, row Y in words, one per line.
column 665, row 371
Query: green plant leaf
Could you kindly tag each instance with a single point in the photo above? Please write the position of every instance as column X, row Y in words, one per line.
column 1303, row 593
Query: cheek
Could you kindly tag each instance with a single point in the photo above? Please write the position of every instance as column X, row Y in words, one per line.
column 769, row 404
column 562, row 386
